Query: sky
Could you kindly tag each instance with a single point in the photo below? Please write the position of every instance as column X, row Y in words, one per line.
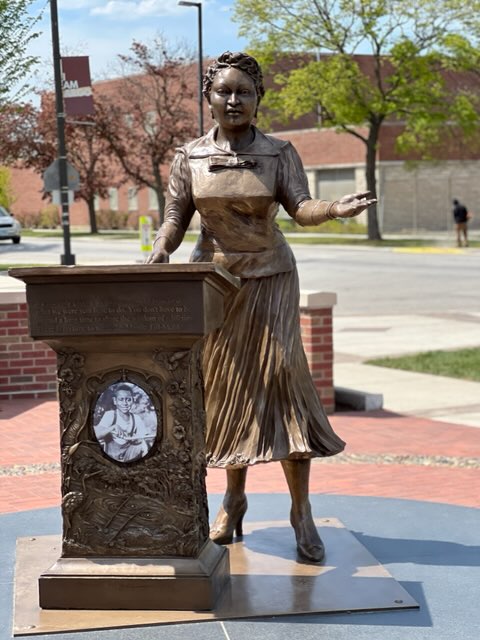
column 101, row 29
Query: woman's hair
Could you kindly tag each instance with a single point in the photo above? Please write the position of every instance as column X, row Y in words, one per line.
column 238, row 60
column 123, row 387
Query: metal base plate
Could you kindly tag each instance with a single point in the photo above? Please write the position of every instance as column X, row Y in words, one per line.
column 137, row 583
column 266, row 580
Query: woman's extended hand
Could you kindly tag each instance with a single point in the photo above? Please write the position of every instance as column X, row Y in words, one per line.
column 159, row 255
column 353, row 204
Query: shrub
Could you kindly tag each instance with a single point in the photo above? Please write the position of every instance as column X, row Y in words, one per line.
column 29, row 219
column 108, row 219
column 132, row 222
column 49, row 217
column 348, row 225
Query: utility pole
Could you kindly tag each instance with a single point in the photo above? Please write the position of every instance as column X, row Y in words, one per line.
column 67, row 258
column 198, row 6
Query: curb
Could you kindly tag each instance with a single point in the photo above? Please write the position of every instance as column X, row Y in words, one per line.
column 353, row 400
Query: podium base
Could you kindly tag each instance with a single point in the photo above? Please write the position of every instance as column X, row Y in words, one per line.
column 137, row 583
column 266, row 580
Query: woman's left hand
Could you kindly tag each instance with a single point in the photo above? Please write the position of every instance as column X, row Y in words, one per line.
column 352, row 204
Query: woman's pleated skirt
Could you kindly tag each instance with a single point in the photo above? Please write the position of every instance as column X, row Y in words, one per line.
column 260, row 398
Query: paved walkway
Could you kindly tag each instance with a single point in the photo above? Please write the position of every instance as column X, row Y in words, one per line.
column 388, row 455
column 360, row 338
column 407, row 487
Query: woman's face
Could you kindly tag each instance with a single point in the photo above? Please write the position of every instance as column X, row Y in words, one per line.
column 233, row 99
column 123, row 400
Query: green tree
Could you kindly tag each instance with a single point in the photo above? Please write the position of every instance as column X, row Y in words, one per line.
column 16, row 33
column 6, row 193
column 404, row 80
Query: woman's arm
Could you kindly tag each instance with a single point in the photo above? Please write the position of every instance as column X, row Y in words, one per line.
column 314, row 212
column 179, row 209
column 293, row 193
column 104, row 427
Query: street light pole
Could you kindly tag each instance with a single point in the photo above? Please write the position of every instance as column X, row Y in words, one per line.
column 67, row 258
column 198, row 5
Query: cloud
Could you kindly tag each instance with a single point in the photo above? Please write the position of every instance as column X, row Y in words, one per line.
column 74, row 5
column 122, row 9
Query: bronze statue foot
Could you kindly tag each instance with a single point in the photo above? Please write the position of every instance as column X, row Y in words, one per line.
column 310, row 547
column 226, row 523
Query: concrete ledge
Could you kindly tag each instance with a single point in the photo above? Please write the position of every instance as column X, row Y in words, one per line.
column 13, row 297
column 317, row 299
column 351, row 399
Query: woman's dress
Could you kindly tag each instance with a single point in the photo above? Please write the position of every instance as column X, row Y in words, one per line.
column 123, row 437
column 261, row 402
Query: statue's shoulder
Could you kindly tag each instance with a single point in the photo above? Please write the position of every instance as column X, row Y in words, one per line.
column 275, row 142
column 269, row 145
column 200, row 147
column 191, row 146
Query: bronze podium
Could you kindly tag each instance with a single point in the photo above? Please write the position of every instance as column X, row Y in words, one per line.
column 135, row 515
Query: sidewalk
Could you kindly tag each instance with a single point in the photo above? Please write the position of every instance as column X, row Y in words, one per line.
column 357, row 339
column 387, row 455
column 406, row 487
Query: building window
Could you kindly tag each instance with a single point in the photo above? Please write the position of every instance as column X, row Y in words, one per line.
column 150, row 123
column 152, row 200
column 96, row 202
column 332, row 184
column 113, row 199
column 132, row 199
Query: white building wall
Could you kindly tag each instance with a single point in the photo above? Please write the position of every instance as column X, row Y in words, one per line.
column 420, row 198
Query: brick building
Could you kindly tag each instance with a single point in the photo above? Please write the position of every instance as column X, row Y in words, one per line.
column 411, row 197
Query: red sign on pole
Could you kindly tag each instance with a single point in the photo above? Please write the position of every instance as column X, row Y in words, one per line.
column 77, row 86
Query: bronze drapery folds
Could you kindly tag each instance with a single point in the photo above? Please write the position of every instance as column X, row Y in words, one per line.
column 260, row 398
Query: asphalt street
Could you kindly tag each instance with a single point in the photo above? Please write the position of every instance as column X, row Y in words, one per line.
column 367, row 280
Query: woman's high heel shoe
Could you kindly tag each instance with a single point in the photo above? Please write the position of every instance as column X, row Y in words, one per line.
column 309, row 544
column 225, row 523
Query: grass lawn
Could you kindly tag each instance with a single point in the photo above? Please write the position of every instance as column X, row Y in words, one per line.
column 462, row 363
column 126, row 234
column 292, row 237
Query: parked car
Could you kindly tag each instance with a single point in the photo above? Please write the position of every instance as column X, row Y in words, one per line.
column 9, row 227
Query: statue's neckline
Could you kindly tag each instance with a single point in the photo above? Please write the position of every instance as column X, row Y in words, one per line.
column 234, row 152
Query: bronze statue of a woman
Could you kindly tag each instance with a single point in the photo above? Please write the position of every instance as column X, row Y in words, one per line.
column 260, row 399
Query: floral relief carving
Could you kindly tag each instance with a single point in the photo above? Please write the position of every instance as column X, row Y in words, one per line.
column 73, row 412
column 149, row 507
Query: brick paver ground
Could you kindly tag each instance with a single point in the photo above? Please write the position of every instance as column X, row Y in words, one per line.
column 387, row 455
